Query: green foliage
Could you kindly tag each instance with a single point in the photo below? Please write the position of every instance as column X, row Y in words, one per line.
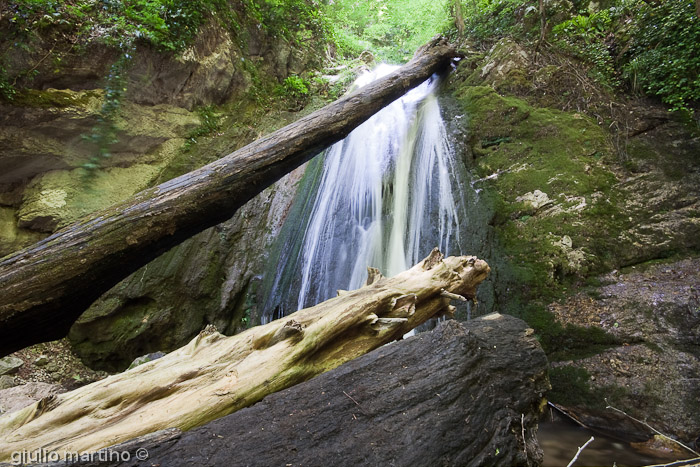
column 487, row 20
column 584, row 36
column 349, row 44
column 391, row 29
column 295, row 86
column 168, row 24
column 295, row 91
column 654, row 46
column 588, row 28
column 7, row 89
column 298, row 21
column 664, row 58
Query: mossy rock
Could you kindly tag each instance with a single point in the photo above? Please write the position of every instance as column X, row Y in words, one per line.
column 58, row 198
column 59, row 98
column 523, row 153
column 505, row 68
column 13, row 238
column 570, row 201
column 571, row 386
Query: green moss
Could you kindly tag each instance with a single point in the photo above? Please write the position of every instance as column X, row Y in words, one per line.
column 550, row 243
column 13, row 238
column 570, row 387
column 210, row 124
column 59, row 197
column 570, row 342
column 62, row 98
column 561, row 154
column 516, row 81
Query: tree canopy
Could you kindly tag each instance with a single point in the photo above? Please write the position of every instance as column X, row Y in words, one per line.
column 643, row 46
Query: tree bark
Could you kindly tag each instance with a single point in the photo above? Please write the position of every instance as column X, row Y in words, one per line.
column 47, row 286
column 459, row 17
column 479, row 406
column 214, row 375
column 543, row 23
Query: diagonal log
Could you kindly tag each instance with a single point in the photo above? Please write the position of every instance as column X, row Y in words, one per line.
column 47, row 286
column 214, row 375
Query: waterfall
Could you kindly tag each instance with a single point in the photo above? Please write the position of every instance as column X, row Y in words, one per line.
column 383, row 197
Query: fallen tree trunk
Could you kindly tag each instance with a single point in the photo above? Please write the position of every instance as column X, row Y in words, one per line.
column 47, row 286
column 463, row 394
column 215, row 375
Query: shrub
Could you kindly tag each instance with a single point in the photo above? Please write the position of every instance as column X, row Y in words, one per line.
column 664, row 56
column 295, row 91
column 584, row 36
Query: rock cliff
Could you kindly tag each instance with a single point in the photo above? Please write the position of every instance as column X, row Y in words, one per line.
column 578, row 191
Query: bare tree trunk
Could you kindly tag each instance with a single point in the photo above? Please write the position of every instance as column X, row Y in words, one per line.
column 214, row 375
column 459, row 17
column 47, row 286
column 543, row 23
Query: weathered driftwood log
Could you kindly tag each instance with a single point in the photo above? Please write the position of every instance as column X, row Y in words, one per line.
column 47, row 286
column 215, row 375
column 464, row 394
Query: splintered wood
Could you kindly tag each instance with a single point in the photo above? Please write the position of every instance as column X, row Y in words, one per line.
column 215, row 375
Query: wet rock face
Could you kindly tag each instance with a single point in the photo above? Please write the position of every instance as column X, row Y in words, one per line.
column 665, row 298
column 208, row 72
column 463, row 394
column 46, row 126
column 655, row 312
column 42, row 149
column 662, row 191
column 213, row 69
column 13, row 238
column 35, row 139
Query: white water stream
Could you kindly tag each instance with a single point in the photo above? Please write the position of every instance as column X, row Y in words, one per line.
column 383, row 197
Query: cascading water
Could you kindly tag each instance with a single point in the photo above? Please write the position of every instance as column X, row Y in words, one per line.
column 383, row 197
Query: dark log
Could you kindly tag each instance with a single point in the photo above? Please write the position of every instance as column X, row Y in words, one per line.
column 47, row 286
column 463, row 394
